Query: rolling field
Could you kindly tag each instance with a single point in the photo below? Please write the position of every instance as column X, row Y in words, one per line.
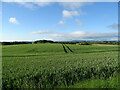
column 56, row 65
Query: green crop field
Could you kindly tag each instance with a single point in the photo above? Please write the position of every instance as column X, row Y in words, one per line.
column 57, row 65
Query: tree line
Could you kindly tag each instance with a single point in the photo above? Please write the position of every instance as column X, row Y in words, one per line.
column 14, row 43
column 62, row 42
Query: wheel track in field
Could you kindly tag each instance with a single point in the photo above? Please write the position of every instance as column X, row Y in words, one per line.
column 69, row 48
column 65, row 50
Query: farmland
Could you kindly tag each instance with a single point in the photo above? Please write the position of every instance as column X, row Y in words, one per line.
column 56, row 65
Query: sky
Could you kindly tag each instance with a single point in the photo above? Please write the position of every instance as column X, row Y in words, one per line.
column 59, row 21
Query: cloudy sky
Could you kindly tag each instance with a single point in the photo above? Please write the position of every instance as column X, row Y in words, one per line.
column 59, row 21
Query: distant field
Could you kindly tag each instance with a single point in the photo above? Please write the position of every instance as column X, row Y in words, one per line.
column 56, row 65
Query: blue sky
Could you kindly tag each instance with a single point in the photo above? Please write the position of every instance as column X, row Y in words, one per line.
column 59, row 21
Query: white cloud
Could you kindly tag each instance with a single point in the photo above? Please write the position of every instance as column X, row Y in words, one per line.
column 78, row 33
column 81, row 35
column 72, row 5
column 34, row 4
column 27, row 4
column 114, row 26
column 57, row 35
column 61, row 22
column 13, row 20
column 41, row 32
column 42, row 4
column 67, row 13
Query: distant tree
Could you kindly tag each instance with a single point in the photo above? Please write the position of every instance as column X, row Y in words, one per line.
column 85, row 43
column 43, row 41
column 14, row 43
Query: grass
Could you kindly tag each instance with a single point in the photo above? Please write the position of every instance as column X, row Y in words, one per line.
column 48, row 66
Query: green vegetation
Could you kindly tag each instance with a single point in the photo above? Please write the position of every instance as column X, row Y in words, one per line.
column 111, row 82
column 49, row 66
column 85, row 43
column 43, row 41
